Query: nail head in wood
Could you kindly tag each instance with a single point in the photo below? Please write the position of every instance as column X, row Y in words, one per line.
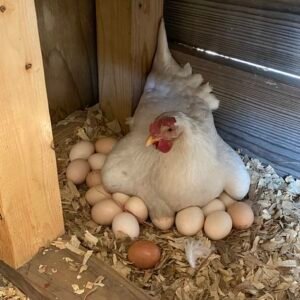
column 28, row 66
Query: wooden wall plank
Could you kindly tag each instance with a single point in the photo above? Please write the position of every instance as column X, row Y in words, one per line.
column 256, row 114
column 68, row 39
column 30, row 206
column 233, row 28
column 127, row 33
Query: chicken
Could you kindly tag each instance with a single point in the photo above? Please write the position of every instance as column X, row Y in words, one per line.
column 173, row 157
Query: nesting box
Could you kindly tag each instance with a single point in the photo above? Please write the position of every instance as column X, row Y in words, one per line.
column 60, row 56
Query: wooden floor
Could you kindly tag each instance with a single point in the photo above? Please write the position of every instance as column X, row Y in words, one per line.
column 54, row 273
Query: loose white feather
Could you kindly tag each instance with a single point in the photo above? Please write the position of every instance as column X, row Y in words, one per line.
column 195, row 249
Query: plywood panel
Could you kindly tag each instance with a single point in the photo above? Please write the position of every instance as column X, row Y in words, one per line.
column 256, row 114
column 30, row 207
column 68, row 38
column 127, row 33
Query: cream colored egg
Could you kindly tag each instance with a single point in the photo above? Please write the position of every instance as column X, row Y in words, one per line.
column 226, row 199
column 189, row 221
column 77, row 171
column 82, row 150
column 120, row 198
column 137, row 207
column 125, row 224
column 96, row 194
column 105, row 145
column 104, row 212
column 164, row 223
column 218, row 225
column 93, row 178
column 241, row 214
column 212, row 206
column 97, row 161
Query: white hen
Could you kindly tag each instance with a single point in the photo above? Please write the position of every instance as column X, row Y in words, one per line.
column 187, row 162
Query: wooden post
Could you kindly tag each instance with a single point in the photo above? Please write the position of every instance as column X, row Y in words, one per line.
column 30, row 207
column 127, row 33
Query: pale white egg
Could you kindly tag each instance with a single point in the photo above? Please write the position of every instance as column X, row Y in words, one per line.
column 137, row 207
column 190, row 220
column 212, row 206
column 104, row 211
column 125, row 224
column 82, row 150
column 97, row 161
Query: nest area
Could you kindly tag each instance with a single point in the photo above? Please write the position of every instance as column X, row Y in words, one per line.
column 259, row 263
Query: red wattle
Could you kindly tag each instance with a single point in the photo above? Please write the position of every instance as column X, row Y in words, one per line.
column 164, row 146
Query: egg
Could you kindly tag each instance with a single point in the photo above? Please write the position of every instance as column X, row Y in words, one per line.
column 97, row 161
column 164, row 223
column 104, row 211
column 226, row 199
column 95, row 194
column 77, row 171
column 241, row 214
column 137, row 207
column 217, row 225
column 120, row 198
column 125, row 224
column 144, row 254
column 189, row 221
column 212, row 206
column 82, row 150
column 93, row 178
column 105, row 145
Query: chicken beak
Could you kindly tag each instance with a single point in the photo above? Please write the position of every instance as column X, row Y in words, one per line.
column 151, row 140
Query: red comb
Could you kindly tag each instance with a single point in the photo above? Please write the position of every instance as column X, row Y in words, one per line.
column 157, row 124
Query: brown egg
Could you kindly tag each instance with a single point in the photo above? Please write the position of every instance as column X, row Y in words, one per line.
column 81, row 150
column 163, row 223
column 137, row 207
column 189, row 220
column 104, row 211
column 120, row 198
column 217, row 225
column 95, row 194
column 77, row 171
column 226, row 199
column 144, row 254
column 97, row 161
column 105, row 145
column 212, row 206
column 93, row 178
column 241, row 214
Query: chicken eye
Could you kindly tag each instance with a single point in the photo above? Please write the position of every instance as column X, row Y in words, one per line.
column 170, row 129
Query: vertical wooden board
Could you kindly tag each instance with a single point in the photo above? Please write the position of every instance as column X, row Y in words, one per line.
column 30, row 206
column 68, row 40
column 127, row 33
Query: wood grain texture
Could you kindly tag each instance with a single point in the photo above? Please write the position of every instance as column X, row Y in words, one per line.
column 20, row 282
column 127, row 34
column 256, row 114
column 263, row 36
column 68, row 39
column 30, row 206
column 59, row 285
